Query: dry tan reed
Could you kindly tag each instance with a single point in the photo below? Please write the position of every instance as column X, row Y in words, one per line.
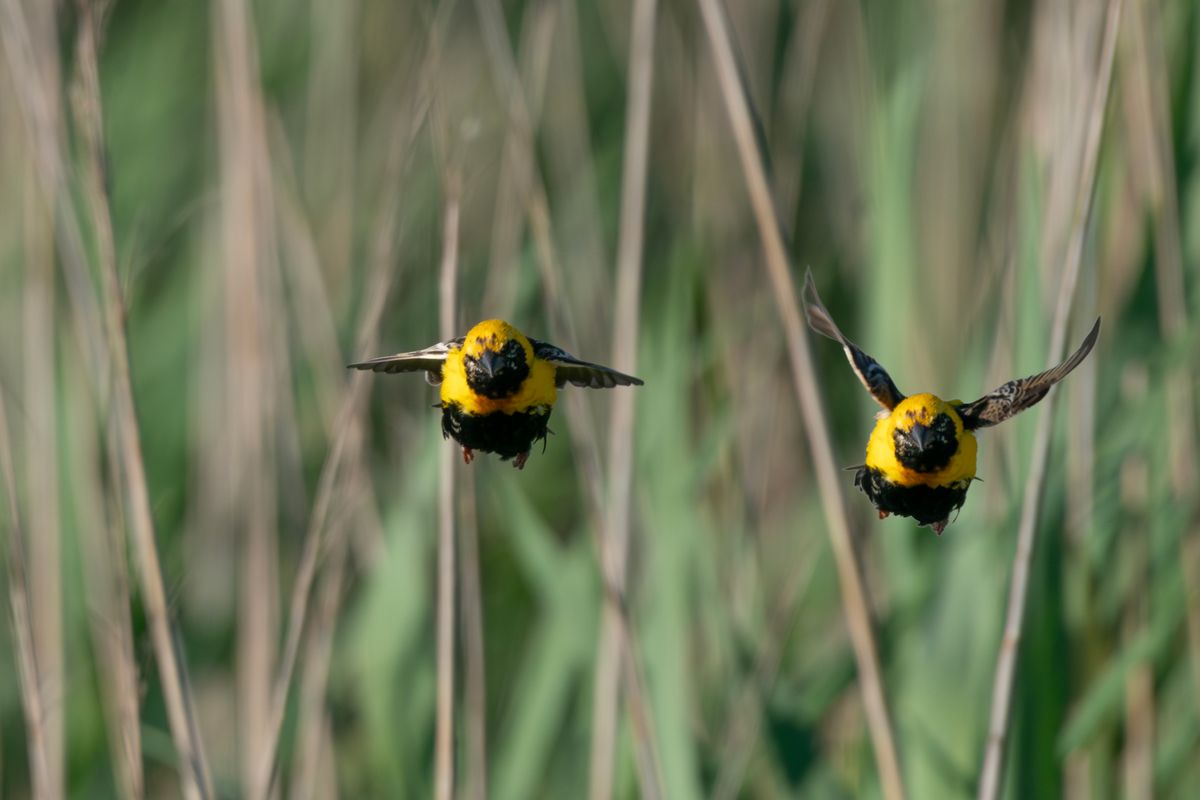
column 1150, row 66
column 252, row 359
column 620, row 441
column 32, row 701
column 1006, row 660
column 378, row 286
column 854, row 600
column 194, row 773
column 475, row 780
column 562, row 327
column 446, row 575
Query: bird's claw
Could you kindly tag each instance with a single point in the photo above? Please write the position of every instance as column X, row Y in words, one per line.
column 468, row 455
column 884, row 514
column 520, row 459
column 939, row 526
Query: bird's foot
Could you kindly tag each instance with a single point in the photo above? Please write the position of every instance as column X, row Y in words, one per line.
column 939, row 526
column 884, row 514
column 468, row 455
column 520, row 459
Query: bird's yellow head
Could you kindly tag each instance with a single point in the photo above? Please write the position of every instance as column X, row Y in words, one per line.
column 926, row 433
column 496, row 358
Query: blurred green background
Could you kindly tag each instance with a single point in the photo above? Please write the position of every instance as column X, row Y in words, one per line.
column 271, row 165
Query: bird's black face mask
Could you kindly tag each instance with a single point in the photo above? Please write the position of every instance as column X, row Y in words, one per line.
column 496, row 374
column 927, row 448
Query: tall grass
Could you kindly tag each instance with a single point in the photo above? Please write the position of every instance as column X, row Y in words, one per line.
column 222, row 548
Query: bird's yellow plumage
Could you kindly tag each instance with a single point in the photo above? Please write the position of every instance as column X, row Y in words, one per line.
column 537, row 392
column 920, row 409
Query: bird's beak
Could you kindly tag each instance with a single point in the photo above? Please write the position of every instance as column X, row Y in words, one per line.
column 488, row 361
column 920, row 435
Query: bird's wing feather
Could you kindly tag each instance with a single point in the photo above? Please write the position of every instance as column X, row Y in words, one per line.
column 569, row 369
column 873, row 376
column 430, row 360
column 1017, row 395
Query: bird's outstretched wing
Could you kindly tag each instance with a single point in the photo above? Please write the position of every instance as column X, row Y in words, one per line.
column 873, row 376
column 569, row 369
column 1016, row 396
column 430, row 360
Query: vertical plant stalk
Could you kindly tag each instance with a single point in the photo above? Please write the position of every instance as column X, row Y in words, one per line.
column 1006, row 660
column 1172, row 307
column 540, row 30
column 107, row 572
column 1137, row 753
column 38, row 96
column 475, row 672
column 18, row 598
column 854, row 600
column 39, row 443
column 41, row 470
column 583, row 437
column 615, row 543
column 743, row 727
column 318, row 655
column 194, row 772
column 248, row 390
column 444, row 735
column 376, row 289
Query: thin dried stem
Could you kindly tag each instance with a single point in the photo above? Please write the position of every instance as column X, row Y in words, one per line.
column 194, row 774
column 317, row 658
column 583, row 436
column 249, row 394
column 376, row 289
column 18, row 598
column 1152, row 72
column 101, row 535
column 38, row 95
column 40, row 468
column 444, row 736
column 1006, row 661
column 854, row 600
column 515, row 179
column 1137, row 755
column 475, row 669
column 620, row 441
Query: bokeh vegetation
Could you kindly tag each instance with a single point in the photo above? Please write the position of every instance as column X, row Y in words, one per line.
column 279, row 172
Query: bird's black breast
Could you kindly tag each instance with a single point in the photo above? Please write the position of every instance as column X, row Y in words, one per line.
column 506, row 435
column 925, row 504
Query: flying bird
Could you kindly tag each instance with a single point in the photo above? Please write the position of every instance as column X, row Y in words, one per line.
column 498, row 386
column 920, row 458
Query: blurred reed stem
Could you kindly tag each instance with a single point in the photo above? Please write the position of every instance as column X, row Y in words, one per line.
column 376, row 289
column 37, row 81
column 515, row 179
column 854, row 600
column 615, row 549
column 40, row 442
column 1151, row 68
column 194, row 775
column 1006, row 660
column 444, row 749
column 313, row 716
column 743, row 726
column 32, row 700
column 583, row 436
column 252, row 356
column 475, row 784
